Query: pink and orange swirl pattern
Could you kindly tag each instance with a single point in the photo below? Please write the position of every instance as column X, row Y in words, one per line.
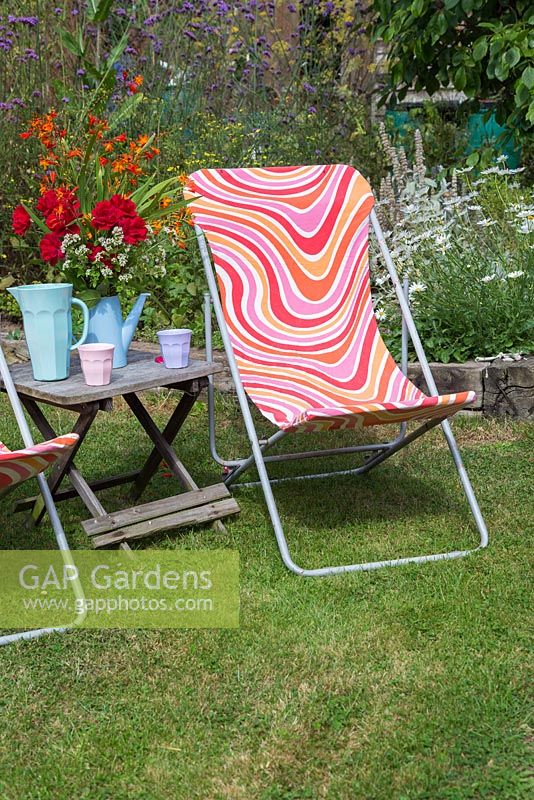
column 20, row 465
column 290, row 248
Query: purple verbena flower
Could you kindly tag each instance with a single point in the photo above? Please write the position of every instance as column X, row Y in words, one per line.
column 31, row 21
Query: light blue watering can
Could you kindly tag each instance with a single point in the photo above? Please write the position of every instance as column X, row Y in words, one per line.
column 106, row 325
column 47, row 316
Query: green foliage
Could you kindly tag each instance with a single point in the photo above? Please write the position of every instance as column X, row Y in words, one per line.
column 467, row 248
column 483, row 48
column 443, row 131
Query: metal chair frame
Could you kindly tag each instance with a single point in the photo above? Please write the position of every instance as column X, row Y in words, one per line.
column 377, row 453
column 61, row 539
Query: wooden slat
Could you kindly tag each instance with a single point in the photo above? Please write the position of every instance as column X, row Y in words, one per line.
column 156, row 508
column 181, row 519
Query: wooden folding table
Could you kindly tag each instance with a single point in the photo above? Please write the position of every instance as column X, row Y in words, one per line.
column 142, row 373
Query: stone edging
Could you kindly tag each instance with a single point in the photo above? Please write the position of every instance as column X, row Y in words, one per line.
column 504, row 388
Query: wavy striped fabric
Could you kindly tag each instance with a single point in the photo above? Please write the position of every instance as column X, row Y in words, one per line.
column 290, row 248
column 20, row 465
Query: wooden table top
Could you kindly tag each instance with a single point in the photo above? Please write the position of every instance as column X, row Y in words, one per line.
column 141, row 373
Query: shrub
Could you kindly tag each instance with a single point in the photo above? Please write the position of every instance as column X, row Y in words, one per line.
column 467, row 247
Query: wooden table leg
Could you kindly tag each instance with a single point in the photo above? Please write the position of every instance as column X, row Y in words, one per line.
column 161, row 444
column 65, row 466
column 169, row 433
column 81, row 487
column 164, row 447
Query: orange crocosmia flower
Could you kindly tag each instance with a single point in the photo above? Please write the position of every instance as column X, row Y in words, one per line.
column 120, row 138
column 74, row 153
column 126, row 163
column 47, row 162
column 103, row 161
column 108, row 147
column 183, row 178
column 165, row 201
column 142, row 140
column 190, row 185
column 118, row 166
column 138, row 80
column 97, row 126
column 25, row 135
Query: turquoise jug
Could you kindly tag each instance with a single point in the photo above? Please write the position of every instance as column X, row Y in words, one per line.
column 47, row 316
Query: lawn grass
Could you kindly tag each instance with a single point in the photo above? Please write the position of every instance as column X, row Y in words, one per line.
column 403, row 683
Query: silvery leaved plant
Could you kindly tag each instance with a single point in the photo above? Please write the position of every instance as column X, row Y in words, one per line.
column 466, row 246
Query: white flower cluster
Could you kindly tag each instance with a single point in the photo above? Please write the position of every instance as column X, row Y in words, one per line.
column 111, row 243
column 69, row 240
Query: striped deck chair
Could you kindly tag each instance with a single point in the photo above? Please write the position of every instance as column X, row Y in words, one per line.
column 21, row 465
column 293, row 303
column 30, row 462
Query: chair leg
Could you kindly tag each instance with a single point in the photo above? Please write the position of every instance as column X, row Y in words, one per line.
column 370, row 565
column 61, row 539
column 67, row 558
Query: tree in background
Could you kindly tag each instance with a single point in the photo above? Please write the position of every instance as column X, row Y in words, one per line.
column 483, row 48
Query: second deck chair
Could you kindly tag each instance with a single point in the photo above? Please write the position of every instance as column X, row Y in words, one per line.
column 29, row 462
column 294, row 306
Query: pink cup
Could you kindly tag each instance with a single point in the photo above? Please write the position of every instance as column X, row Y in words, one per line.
column 175, row 344
column 97, row 363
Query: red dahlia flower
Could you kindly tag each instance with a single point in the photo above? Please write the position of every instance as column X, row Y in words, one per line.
column 109, row 213
column 50, row 247
column 21, row 220
column 47, row 202
column 134, row 230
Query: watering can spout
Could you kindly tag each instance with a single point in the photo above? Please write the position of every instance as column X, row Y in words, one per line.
column 130, row 323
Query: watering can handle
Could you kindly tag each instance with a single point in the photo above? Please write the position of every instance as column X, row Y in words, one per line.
column 85, row 310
